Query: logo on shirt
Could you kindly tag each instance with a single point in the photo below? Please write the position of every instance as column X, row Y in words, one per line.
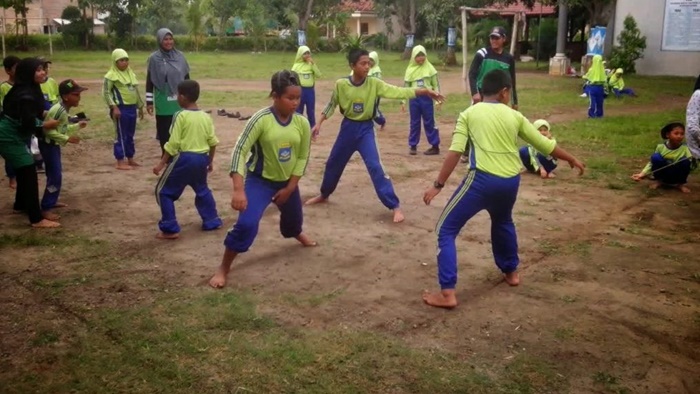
column 172, row 98
column 307, row 76
column 420, row 83
column 284, row 153
column 358, row 107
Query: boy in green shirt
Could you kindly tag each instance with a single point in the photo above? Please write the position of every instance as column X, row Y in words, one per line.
column 50, row 145
column 192, row 145
column 491, row 128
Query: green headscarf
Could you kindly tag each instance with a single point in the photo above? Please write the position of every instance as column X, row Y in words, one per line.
column 127, row 77
column 376, row 69
column 414, row 71
column 300, row 66
column 541, row 122
column 596, row 74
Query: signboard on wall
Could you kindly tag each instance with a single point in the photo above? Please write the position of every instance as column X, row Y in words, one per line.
column 681, row 31
column 596, row 41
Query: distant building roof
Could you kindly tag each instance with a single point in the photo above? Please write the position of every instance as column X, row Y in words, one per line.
column 519, row 8
column 357, row 5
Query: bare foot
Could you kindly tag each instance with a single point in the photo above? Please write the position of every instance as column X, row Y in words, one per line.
column 655, row 185
column 683, row 188
column 381, row 128
column 50, row 216
column 46, row 224
column 162, row 235
column 443, row 299
column 13, row 183
column 398, row 215
column 316, row 200
column 551, row 175
column 305, row 240
column 219, row 279
column 123, row 166
column 60, row 205
column 512, row 278
column 133, row 163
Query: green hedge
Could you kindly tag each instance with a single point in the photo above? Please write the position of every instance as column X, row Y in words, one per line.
column 39, row 43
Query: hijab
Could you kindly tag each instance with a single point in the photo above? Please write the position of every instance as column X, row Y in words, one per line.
column 300, row 66
column 416, row 71
column 596, row 74
column 127, row 77
column 375, row 69
column 25, row 90
column 167, row 68
column 541, row 122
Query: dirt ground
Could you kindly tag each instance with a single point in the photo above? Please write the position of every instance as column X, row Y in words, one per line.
column 609, row 277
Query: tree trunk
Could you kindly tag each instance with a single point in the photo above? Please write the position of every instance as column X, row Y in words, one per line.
column 411, row 19
column 305, row 14
column 451, row 59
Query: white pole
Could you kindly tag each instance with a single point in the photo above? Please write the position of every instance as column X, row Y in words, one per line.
column 514, row 36
column 465, row 73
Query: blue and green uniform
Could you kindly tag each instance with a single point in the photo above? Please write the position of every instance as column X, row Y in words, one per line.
column 534, row 160
column 50, row 147
column 358, row 105
column 50, row 90
column 422, row 108
column 491, row 131
column 191, row 138
column 597, row 85
column 307, row 75
column 120, row 90
column 670, row 166
column 4, row 88
column 278, row 151
column 486, row 60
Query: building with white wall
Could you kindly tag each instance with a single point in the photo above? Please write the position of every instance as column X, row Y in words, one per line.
column 672, row 30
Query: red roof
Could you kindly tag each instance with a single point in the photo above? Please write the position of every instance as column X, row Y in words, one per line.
column 519, row 8
column 357, row 5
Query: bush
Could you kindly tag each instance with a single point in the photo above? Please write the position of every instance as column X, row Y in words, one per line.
column 632, row 45
column 547, row 37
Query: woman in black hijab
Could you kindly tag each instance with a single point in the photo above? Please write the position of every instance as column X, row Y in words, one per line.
column 22, row 114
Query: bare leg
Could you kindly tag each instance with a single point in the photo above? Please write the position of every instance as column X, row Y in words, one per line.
column 13, row 183
column 316, row 200
column 46, row 224
column 48, row 215
column 683, row 188
column 60, row 205
column 305, row 240
column 133, row 163
column 444, row 299
column 512, row 278
column 122, row 165
column 398, row 215
column 219, row 279
column 170, row 236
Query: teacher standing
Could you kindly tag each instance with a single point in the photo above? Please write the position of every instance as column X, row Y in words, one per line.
column 167, row 67
column 692, row 121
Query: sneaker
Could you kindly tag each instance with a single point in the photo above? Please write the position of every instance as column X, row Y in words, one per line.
column 434, row 150
column 413, row 151
column 583, row 95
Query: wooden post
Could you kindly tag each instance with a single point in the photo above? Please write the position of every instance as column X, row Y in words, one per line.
column 50, row 39
column 514, row 35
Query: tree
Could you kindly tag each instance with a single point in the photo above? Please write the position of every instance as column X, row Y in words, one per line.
column 256, row 24
column 405, row 11
column 631, row 48
column 599, row 11
column 20, row 8
column 194, row 17
column 223, row 10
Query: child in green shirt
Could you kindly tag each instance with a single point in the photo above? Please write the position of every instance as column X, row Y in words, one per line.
column 10, row 64
column 50, row 146
column 492, row 129
column 671, row 162
column 420, row 73
column 307, row 70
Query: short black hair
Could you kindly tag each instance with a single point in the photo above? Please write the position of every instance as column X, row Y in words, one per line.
column 281, row 80
column 494, row 81
column 10, row 62
column 669, row 127
column 190, row 89
column 355, row 54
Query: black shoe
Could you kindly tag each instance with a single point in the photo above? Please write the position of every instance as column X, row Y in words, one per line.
column 435, row 150
column 413, row 151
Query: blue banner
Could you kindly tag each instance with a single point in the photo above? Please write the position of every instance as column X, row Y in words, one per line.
column 409, row 40
column 451, row 37
column 596, row 41
column 301, row 37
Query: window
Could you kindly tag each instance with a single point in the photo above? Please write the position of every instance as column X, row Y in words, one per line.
column 364, row 29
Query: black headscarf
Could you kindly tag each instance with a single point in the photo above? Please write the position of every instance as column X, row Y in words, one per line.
column 697, row 84
column 25, row 101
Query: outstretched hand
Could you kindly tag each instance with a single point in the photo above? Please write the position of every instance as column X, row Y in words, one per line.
column 579, row 165
column 437, row 96
column 430, row 194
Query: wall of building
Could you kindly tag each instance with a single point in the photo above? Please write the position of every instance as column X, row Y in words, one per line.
column 649, row 15
column 375, row 25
